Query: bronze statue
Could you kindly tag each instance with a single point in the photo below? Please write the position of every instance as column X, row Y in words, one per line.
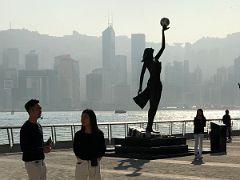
column 153, row 90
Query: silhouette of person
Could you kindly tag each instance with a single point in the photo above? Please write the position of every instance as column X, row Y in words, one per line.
column 153, row 90
column 227, row 121
column 89, row 147
column 32, row 144
column 198, row 131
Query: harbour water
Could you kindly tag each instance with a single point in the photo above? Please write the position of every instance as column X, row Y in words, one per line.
column 73, row 117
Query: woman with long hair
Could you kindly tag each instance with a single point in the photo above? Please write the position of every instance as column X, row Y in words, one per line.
column 199, row 124
column 89, row 147
column 153, row 90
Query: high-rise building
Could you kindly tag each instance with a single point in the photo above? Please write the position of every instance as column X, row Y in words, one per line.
column 31, row 61
column 137, row 49
column 108, row 58
column 108, row 47
column 39, row 84
column 8, row 84
column 10, row 58
column 121, row 96
column 94, row 86
column 68, row 81
column 120, row 69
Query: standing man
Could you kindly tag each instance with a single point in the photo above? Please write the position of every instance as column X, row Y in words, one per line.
column 227, row 121
column 31, row 142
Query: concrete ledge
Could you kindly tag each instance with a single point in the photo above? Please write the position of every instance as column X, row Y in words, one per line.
column 63, row 145
column 5, row 148
column 16, row 148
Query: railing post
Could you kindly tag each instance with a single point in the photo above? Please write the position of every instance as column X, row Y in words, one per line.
column 52, row 134
column 72, row 132
column 9, row 139
column 125, row 129
column 74, row 129
column 110, row 128
column 55, row 134
column 12, row 136
column 171, row 128
column 184, row 128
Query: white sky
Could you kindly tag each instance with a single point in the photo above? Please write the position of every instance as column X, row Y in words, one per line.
column 189, row 19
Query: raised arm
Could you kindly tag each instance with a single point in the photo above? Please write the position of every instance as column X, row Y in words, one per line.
column 141, row 77
column 163, row 43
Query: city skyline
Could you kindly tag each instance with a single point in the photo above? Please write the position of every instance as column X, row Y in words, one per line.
column 94, row 72
column 189, row 21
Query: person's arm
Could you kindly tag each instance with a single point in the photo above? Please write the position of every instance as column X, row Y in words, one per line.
column 194, row 122
column 25, row 143
column 141, row 77
column 76, row 145
column 163, row 44
column 204, row 122
column 101, row 146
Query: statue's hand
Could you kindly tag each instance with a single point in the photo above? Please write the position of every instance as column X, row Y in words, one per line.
column 165, row 28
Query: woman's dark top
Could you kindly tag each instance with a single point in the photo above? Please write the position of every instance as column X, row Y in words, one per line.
column 31, row 141
column 89, row 146
column 199, row 124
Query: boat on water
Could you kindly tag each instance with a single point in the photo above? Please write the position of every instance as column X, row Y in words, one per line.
column 120, row 111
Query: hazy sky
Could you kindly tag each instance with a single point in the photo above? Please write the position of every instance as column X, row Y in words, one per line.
column 190, row 19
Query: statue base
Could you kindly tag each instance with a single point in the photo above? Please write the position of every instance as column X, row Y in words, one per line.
column 144, row 145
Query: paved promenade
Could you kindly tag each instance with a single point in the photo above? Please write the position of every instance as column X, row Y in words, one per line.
column 61, row 166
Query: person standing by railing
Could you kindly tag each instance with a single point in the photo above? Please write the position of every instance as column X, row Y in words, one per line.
column 31, row 142
column 199, row 124
column 89, row 147
column 227, row 121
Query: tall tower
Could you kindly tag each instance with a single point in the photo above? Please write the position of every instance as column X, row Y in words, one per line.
column 137, row 48
column 108, row 58
column 108, row 47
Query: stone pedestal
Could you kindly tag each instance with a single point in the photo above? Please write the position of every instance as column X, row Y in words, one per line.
column 143, row 145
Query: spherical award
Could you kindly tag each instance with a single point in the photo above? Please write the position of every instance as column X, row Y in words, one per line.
column 164, row 22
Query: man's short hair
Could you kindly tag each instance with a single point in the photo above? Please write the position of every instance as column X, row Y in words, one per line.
column 30, row 104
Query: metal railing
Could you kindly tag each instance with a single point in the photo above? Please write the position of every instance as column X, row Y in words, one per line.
column 12, row 132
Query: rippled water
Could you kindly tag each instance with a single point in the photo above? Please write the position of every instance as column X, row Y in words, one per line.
column 69, row 117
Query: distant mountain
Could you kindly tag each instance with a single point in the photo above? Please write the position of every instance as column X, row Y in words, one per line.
column 207, row 53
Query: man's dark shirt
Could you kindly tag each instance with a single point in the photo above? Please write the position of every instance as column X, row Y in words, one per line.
column 31, row 141
column 227, row 120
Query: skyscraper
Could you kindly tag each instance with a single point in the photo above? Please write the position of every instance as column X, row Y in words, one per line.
column 31, row 61
column 68, row 82
column 120, row 69
column 11, row 58
column 108, row 47
column 94, row 86
column 137, row 48
column 108, row 57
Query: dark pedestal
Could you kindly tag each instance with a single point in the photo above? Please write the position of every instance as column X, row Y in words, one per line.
column 218, row 138
column 142, row 145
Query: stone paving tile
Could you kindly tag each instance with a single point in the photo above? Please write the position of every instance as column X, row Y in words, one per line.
column 61, row 166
